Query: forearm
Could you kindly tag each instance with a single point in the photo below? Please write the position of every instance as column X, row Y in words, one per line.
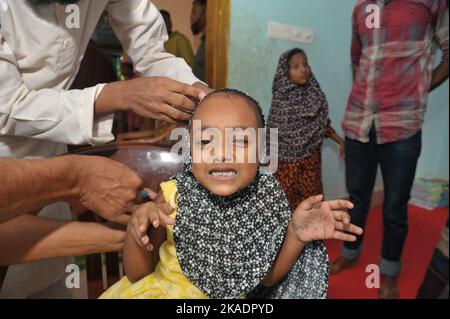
column 287, row 257
column 440, row 75
column 137, row 261
column 31, row 184
column 113, row 98
column 36, row 238
column 335, row 137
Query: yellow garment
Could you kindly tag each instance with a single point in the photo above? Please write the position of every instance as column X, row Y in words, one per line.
column 168, row 280
column 180, row 46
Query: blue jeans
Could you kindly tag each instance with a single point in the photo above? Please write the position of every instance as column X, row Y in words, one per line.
column 398, row 162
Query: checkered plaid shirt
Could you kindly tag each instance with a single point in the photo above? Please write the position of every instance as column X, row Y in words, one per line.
column 393, row 66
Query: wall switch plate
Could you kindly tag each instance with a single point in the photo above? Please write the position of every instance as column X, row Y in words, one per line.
column 291, row 33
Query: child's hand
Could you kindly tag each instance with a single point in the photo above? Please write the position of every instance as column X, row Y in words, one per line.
column 317, row 220
column 149, row 214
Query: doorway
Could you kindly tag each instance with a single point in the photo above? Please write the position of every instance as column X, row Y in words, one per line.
column 217, row 34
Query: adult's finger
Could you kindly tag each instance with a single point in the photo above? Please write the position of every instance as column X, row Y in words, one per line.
column 172, row 113
column 206, row 89
column 152, row 194
column 185, row 89
column 145, row 112
column 165, row 118
column 180, row 102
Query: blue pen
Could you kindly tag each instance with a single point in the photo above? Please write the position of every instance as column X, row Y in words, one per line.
column 143, row 197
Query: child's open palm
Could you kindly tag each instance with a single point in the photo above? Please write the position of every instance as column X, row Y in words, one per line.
column 318, row 220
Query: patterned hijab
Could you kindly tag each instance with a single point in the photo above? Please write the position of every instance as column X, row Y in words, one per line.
column 300, row 112
column 227, row 245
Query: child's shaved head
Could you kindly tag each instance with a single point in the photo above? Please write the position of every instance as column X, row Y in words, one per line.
column 250, row 101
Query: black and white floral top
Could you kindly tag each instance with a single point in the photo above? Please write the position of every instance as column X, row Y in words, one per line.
column 227, row 245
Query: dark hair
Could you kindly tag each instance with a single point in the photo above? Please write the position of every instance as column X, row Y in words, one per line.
column 165, row 14
column 200, row 2
column 251, row 101
column 294, row 52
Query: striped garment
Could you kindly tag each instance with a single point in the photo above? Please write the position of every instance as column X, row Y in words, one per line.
column 393, row 66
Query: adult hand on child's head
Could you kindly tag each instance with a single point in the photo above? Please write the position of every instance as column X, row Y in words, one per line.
column 151, row 213
column 162, row 98
column 203, row 87
column 318, row 220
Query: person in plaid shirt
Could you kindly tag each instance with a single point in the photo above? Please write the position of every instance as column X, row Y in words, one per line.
column 393, row 68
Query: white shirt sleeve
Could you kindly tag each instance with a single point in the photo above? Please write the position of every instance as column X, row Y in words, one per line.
column 51, row 114
column 140, row 28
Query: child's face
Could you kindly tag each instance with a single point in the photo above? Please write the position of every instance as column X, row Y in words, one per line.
column 299, row 70
column 223, row 174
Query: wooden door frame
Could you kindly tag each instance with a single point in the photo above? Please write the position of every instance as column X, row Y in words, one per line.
column 217, row 42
